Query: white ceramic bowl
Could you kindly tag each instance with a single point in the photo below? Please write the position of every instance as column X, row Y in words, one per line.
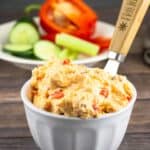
column 54, row 132
column 102, row 28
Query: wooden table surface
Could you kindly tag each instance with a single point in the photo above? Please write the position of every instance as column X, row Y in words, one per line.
column 14, row 132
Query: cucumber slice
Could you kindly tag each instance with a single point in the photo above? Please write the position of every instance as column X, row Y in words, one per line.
column 24, row 33
column 45, row 50
column 76, row 44
column 68, row 54
column 19, row 50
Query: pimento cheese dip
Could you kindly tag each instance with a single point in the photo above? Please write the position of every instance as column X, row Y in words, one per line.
column 67, row 89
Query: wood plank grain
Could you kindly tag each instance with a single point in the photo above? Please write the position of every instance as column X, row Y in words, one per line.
column 136, row 142
column 17, row 144
column 142, row 84
column 133, row 64
column 140, row 119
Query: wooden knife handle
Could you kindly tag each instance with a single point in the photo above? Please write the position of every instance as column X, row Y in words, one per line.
column 130, row 18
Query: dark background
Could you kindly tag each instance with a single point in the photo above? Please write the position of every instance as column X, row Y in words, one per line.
column 107, row 10
column 11, row 9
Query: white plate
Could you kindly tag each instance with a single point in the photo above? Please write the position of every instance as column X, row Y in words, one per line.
column 102, row 28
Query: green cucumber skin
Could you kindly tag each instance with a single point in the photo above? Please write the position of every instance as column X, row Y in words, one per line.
column 28, row 54
column 17, row 51
column 17, row 48
column 27, row 20
column 76, row 44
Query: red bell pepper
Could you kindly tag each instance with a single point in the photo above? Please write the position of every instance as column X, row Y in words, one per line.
column 57, row 94
column 70, row 16
column 49, row 37
column 104, row 92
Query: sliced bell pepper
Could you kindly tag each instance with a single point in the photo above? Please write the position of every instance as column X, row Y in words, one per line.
column 70, row 16
column 49, row 37
column 57, row 94
column 104, row 92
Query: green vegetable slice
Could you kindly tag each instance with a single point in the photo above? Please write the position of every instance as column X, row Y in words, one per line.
column 46, row 50
column 24, row 33
column 76, row 44
column 19, row 50
column 65, row 53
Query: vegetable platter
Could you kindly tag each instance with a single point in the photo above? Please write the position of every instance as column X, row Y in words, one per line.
column 60, row 31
